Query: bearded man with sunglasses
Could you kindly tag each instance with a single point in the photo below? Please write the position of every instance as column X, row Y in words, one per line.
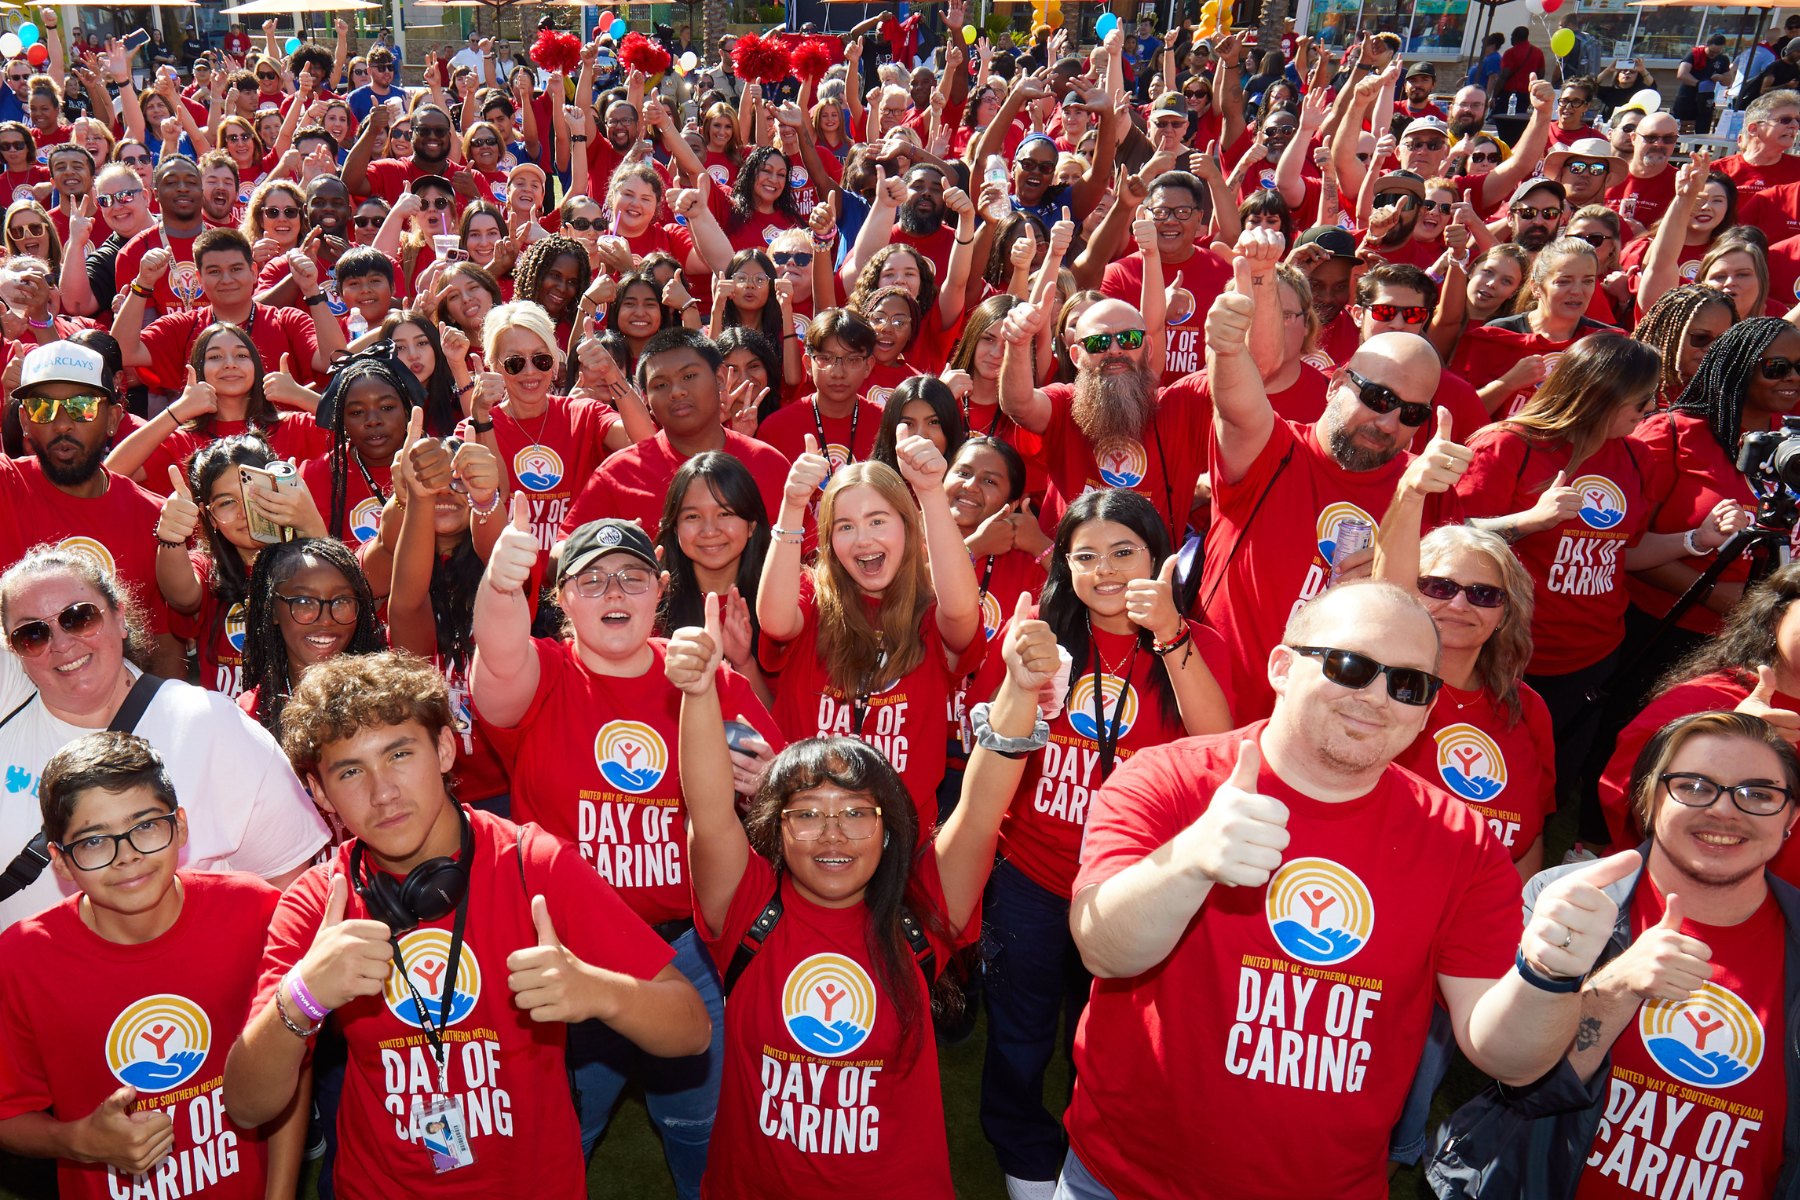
column 1649, row 185
column 1271, row 913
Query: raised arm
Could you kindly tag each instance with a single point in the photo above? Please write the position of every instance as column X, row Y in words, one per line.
column 1662, row 266
column 1499, row 183
column 778, row 592
column 1019, row 397
column 374, row 131
column 1290, row 167
column 424, row 474
column 952, row 572
column 877, row 228
column 952, row 294
column 1243, row 419
column 77, row 296
column 718, row 850
column 505, row 673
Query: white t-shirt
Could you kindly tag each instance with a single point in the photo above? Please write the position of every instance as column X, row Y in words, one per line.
column 246, row 810
column 466, row 58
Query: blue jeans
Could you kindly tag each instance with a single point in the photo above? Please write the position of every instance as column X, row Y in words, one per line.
column 1034, row 976
column 1406, row 1144
column 1076, row 1184
column 681, row 1093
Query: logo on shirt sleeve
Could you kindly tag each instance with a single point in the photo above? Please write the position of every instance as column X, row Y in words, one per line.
column 1122, row 462
column 1710, row 1040
column 427, row 954
column 1081, row 705
column 1319, row 911
column 538, row 468
column 159, row 1043
column 828, row 1005
column 1332, row 516
column 90, row 547
column 1602, row 503
column 365, row 520
column 1470, row 762
column 721, row 175
column 631, row 756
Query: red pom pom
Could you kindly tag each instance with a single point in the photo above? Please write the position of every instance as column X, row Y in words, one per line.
column 639, row 53
column 759, row 60
column 557, row 51
column 812, row 57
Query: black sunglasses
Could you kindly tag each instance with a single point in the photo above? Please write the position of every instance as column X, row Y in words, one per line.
column 512, row 364
column 583, row 224
column 1779, row 368
column 1444, row 206
column 368, row 222
column 1379, row 398
column 1404, row 201
column 1527, row 213
column 1347, row 668
column 1595, row 240
column 32, row 638
column 1481, row 595
column 800, row 258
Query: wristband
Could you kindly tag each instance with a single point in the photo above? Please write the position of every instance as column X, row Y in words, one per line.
column 692, row 303
column 138, row 289
column 481, row 426
column 315, row 298
column 303, row 999
column 1694, row 550
column 482, row 514
column 167, row 545
column 1543, row 983
column 463, row 390
column 1045, row 554
column 1009, row 747
column 1164, row 649
column 578, row 137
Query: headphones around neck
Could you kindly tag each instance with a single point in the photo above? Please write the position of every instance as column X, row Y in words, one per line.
column 430, row 891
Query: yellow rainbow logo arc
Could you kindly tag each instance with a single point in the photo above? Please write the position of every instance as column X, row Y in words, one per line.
column 1331, row 517
column 631, row 755
column 1711, row 1040
column 427, row 954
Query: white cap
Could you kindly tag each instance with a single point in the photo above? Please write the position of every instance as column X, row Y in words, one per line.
column 63, row 362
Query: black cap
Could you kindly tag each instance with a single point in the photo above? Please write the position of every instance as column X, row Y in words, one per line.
column 1337, row 242
column 597, row 538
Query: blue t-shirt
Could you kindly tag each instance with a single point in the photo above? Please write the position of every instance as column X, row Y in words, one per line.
column 1049, row 209
column 364, row 98
column 1484, row 70
column 1148, row 48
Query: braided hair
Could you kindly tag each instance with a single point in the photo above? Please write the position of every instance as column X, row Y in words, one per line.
column 454, row 580
column 528, row 271
column 1665, row 327
column 265, row 651
column 1716, row 391
column 377, row 362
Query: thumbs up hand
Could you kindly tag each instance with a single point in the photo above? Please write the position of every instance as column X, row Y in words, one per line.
column 1238, row 840
column 1029, row 648
column 808, row 474
column 515, row 552
column 180, row 515
column 1442, row 464
column 132, row 1142
column 1556, row 504
column 1228, row 320
column 1573, row 918
column 695, row 651
column 546, row 980
column 427, row 462
column 1150, row 603
column 348, row 958
column 1761, row 703
column 1662, row 964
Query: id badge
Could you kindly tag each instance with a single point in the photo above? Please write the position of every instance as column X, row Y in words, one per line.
column 439, row 1125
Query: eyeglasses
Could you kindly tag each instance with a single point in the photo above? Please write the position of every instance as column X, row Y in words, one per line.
column 1097, row 343
column 482, row 142
column 1778, row 368
column 1585, row 168
column 830, row 362
column 808, row 825
column 1526, row 213
column 1036, row 166
column 437, row 205
column 781, row 258
column 885, row 321
column 542, row 360
column 1179, row 212
column 81, row 409
column 367, row 222
column 400, row 135
column 1788, row 120
column 224, row 509
column 1086, row 562
column 1697, row 791
column 101, row 850
column 1379, row 398
column 583, row 224
column 122, row 196
column 239, row 139
column 12, row 147
column 1280, row 131
column 1595, row 240
column 1415, row 314
column 1428, row 146
column 633, row 581
column 32, row 638
column 1571, row 102
column 1347, row 668
column 1481, row 595
column 1404, row 201
column 275, row 211
column 1444, row 206
column 1658, row 139
column 306, row 610
column 133, row 161
column 1483, row 156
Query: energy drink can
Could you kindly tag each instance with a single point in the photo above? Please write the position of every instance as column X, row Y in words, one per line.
column 1352, row 535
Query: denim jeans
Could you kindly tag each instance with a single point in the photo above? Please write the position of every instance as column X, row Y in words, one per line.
column 1412, row 1133
column 1034, row 976
column 681, row 1093
column 1076, row 1184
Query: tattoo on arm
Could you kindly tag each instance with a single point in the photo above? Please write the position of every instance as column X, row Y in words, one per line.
column 1505, row 528
column 1587, row 1034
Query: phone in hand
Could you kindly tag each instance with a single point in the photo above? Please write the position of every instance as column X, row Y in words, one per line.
column 737, row 733
column 277, row 476
column 136, row 38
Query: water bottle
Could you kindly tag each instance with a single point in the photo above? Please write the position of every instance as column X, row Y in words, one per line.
column 358, row 324
column 996, row 172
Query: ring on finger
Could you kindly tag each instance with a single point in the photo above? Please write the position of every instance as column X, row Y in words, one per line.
column 1565, row 942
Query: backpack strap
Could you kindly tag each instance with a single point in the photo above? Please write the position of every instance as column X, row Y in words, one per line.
column 759, row 931
column 923, row 954
column 137, row 702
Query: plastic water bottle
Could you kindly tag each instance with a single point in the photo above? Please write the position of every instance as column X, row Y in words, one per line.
column 996, row 172
column 357, row 323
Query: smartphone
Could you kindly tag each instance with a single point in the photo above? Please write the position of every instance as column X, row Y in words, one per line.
column 277, row 476
column 737, row 733
column 1624, row 64
column 136, row 38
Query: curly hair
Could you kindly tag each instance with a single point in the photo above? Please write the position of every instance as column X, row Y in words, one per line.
column 869, row 279
column 351, row 692
column 1745, row 641
column 265, row 650
column 743, row 203
column 537, row 258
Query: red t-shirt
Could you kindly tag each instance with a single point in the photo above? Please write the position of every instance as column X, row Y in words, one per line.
column 1258, row 572
column 885, row 377
column 1508, row 775
column 1637, row 250
column 362, row 508
column 907, row 722
column 617, row 794
column 805, row 188
column 221, row 656
column 1689, row 474
column 480, row 775
column 1776, row 211
column 1578, row 565
column 181, row 274
column 634, row 482
column 1653, row 195
column 116, row 528
column 1303, row 400
column 754, row 234
column 18, row 184
column 1467, row 413
column 1191, row 285
column 1163, row 466
column 1041, row 832
column 504, row 1070
column 822, row 1099
column 1486, row 352
column 81, row 1016
column 1518, row 65
column 934, row 246
column 1752, row 180
column 275, row 331
column 1568, row 137
column 1719, row 1051
column 390, row 177
column 1272, row 1002
column 1339, row 338
column 552, row 456
column 296, row 438
column 847, row 439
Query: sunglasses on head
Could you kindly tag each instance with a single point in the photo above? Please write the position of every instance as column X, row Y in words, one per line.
column 799, row 258
column 32, row 638
column 1379, row 398
column 288, row 212
column 1481, row 595
column 81, row 409
column 1347, row 668
column 1779, row 368
column 122, row 196
column 1415, row 314
column 513, row 364
column 1097, row 343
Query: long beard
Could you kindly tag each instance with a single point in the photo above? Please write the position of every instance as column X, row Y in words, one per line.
column 1536, row 238
column 1111, row 408
column 917, row 225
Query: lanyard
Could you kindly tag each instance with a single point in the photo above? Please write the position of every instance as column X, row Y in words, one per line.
column 859, row 703
column 825, row 442
column 1109, row 734
column 447, row 997
column 356, row 457
column 1175, row 530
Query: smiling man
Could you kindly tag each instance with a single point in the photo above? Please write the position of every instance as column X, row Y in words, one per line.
column 365, row 174
column 1771, row 123
column 178, row 198
column 219, row 190
column 1649, row 185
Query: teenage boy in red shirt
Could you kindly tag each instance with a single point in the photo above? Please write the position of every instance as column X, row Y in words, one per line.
column 117, row 1005
column 448, row 945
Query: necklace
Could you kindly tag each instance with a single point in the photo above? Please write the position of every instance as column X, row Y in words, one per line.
column 1127, row 660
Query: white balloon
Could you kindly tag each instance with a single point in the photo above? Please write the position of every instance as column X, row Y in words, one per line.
column 1535, row 7
column 1649, row 100
column 10, row 45
column 688, row 61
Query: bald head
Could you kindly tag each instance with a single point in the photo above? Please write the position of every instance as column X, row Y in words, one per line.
column 1404, row 362
column 1652, row 144
column 1342, row 616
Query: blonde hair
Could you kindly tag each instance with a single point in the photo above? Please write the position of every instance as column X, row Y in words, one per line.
column 252, row 227
column 846, row 642
column 518, row 314
column 1501, row 661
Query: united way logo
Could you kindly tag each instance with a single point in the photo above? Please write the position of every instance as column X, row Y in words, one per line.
column 1122, row 462
column 1266, row 178
column 234, row 627
column 427, row 955
column 1470, row 762
column 828, row 1005
column 1081, row 705
column 990, row 614
column 1319, row 911
column 837, row 456
column 797, row 177
column 329, row 287
column 184, row 281
column 1690, row 271
column 537, row 468
column 24, row 193
column 720, row 173
column 631, row 756
column 159, row 1043
column 878, row 396
column 498, row 190
column 365, row 520
column 1602, row 503
column 1180, row 308
column 90, row 548
column 1710, row 1040
column 1330, row 519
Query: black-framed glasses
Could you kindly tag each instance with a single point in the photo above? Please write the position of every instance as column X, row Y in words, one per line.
column 133, row 161
column 1693, row 790
column 306, row 610
column 1173, row 212
column 481, row 143
column 367, row 222
column 1572, row 102
column 1098, row 343
column 513, row 364
column 1527, row 213
column 32, row 638
column 1586, row 168
column 1404, row 201
column 1481, row 595
column 1347, row 668
column 280, row 212
column 583, row 224
column 40, row 410
column 267, row 78
column 858, row 823
column 1380, row 398
column 594, row 583
column 799, row 258
column 1596, row 240
column 399, row 135
column 1778, row 368
column 1658, row 139
column 1430, row 146
column 12, row 147
column 829, row 362
column 1415, row 314
column 98, row 851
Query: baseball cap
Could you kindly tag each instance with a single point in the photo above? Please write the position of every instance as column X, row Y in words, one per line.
column 64, row 362
column 1410, row 182
column 599, row 538
column 1173, row 102
column 429, row 181
column 1337, row 242
column 1538, row 184
column 1421, row 68
column 1425, row 125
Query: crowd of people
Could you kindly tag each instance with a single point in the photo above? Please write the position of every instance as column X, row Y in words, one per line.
column 563, row 579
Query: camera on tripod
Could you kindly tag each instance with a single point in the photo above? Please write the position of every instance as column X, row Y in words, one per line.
column 1770, row 462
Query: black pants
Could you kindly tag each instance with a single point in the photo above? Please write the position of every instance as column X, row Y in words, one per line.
column 1574, row 721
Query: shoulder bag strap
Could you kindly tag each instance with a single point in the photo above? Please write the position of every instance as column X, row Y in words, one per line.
column 920, row 944
column 137, row 702
column 1244, row 530
column 753, row 939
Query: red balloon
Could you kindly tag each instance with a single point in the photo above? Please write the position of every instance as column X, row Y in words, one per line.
column 1551, row 6
column 36, row 54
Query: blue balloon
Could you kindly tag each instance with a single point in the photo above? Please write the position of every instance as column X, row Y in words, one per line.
column 28, row 34
column 293, row 44
column 617, row 29
column 1106, row 24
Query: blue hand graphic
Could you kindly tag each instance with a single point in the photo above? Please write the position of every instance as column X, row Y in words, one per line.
column 150, row 1076
column 820, row 1038
column 1711, row 1069
column 1472, row 787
